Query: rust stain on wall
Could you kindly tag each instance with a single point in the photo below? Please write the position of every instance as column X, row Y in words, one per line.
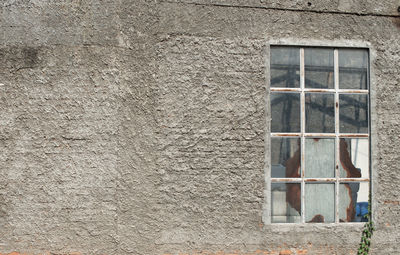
column 396, row 22
column 392, row 202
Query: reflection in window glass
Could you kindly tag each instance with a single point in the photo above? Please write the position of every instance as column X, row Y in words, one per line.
column 286, row 202
column 308, row 175
column 285, row 157
column 320, row 203
column 353, row 113
column 354, row 158
column 319, row 68
column 353, row 68
column 285, row 67
column 285, row 111
column 353, row 201
column 320, row 113
column 319, row 158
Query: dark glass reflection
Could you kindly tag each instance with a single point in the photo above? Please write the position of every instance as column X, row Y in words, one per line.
column 319, row 156
column 353, row 69
column 286, row 202
column 285, row 112
column 353, row 201
column 320, row 113
column 319, row 203
column 319, row 68
column 354, row 158
column 353, row 117
column 285, row 157
column 285, row 67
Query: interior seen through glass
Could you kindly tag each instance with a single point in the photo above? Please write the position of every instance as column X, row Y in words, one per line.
column 319, row 152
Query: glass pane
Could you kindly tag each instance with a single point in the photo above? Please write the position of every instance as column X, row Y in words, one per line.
column 285, row 157
column 285, row 112
column 353, row 113
column 285, row 67
column 319, row 156
column 354, row 158
column 286, row 202
column 320, row 203
column 353, row 201
column 318, row 65
column 320, row 113
column 353, row 69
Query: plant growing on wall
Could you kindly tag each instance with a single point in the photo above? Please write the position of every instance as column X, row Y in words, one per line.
column 367, row 232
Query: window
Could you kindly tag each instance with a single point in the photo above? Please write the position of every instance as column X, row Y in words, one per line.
column 320, row 164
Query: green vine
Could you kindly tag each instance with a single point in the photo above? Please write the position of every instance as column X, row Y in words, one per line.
column 367, row 232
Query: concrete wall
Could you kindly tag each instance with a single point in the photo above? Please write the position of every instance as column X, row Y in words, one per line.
column 139, row 127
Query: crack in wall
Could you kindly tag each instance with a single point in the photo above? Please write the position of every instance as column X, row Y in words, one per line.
column 370, row 14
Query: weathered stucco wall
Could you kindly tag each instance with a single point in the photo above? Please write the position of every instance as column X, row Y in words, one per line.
column 138, row 127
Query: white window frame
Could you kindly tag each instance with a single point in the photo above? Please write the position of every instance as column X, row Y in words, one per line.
column 302, row 135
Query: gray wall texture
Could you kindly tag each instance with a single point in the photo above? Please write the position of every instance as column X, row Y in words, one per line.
column 139, row 127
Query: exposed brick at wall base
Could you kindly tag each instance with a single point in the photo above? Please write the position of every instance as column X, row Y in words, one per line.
column 257, row 252
column 44, row 253
column 310, row 249
column 292, row 251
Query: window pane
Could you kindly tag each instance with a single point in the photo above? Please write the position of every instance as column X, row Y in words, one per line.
column 286, row 202
column 354, row 158
column 319, row 109
column 318, row 64
column 285, row 111
column 285, row 157
column 285, row 67
column 353, row 111
column 320, row 203
column 353, row 69
column 353, row 201
column 319, row 158
column 320, row 113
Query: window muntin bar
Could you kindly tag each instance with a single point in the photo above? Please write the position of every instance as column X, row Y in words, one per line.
column 338, row 92
column 319, row 135
column 299, row 179
column 337, row 131
column 303, row 128
column 310, row 90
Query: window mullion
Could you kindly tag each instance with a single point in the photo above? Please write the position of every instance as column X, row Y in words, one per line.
column 337, row 141
column 290, row 99
column 302, row 127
